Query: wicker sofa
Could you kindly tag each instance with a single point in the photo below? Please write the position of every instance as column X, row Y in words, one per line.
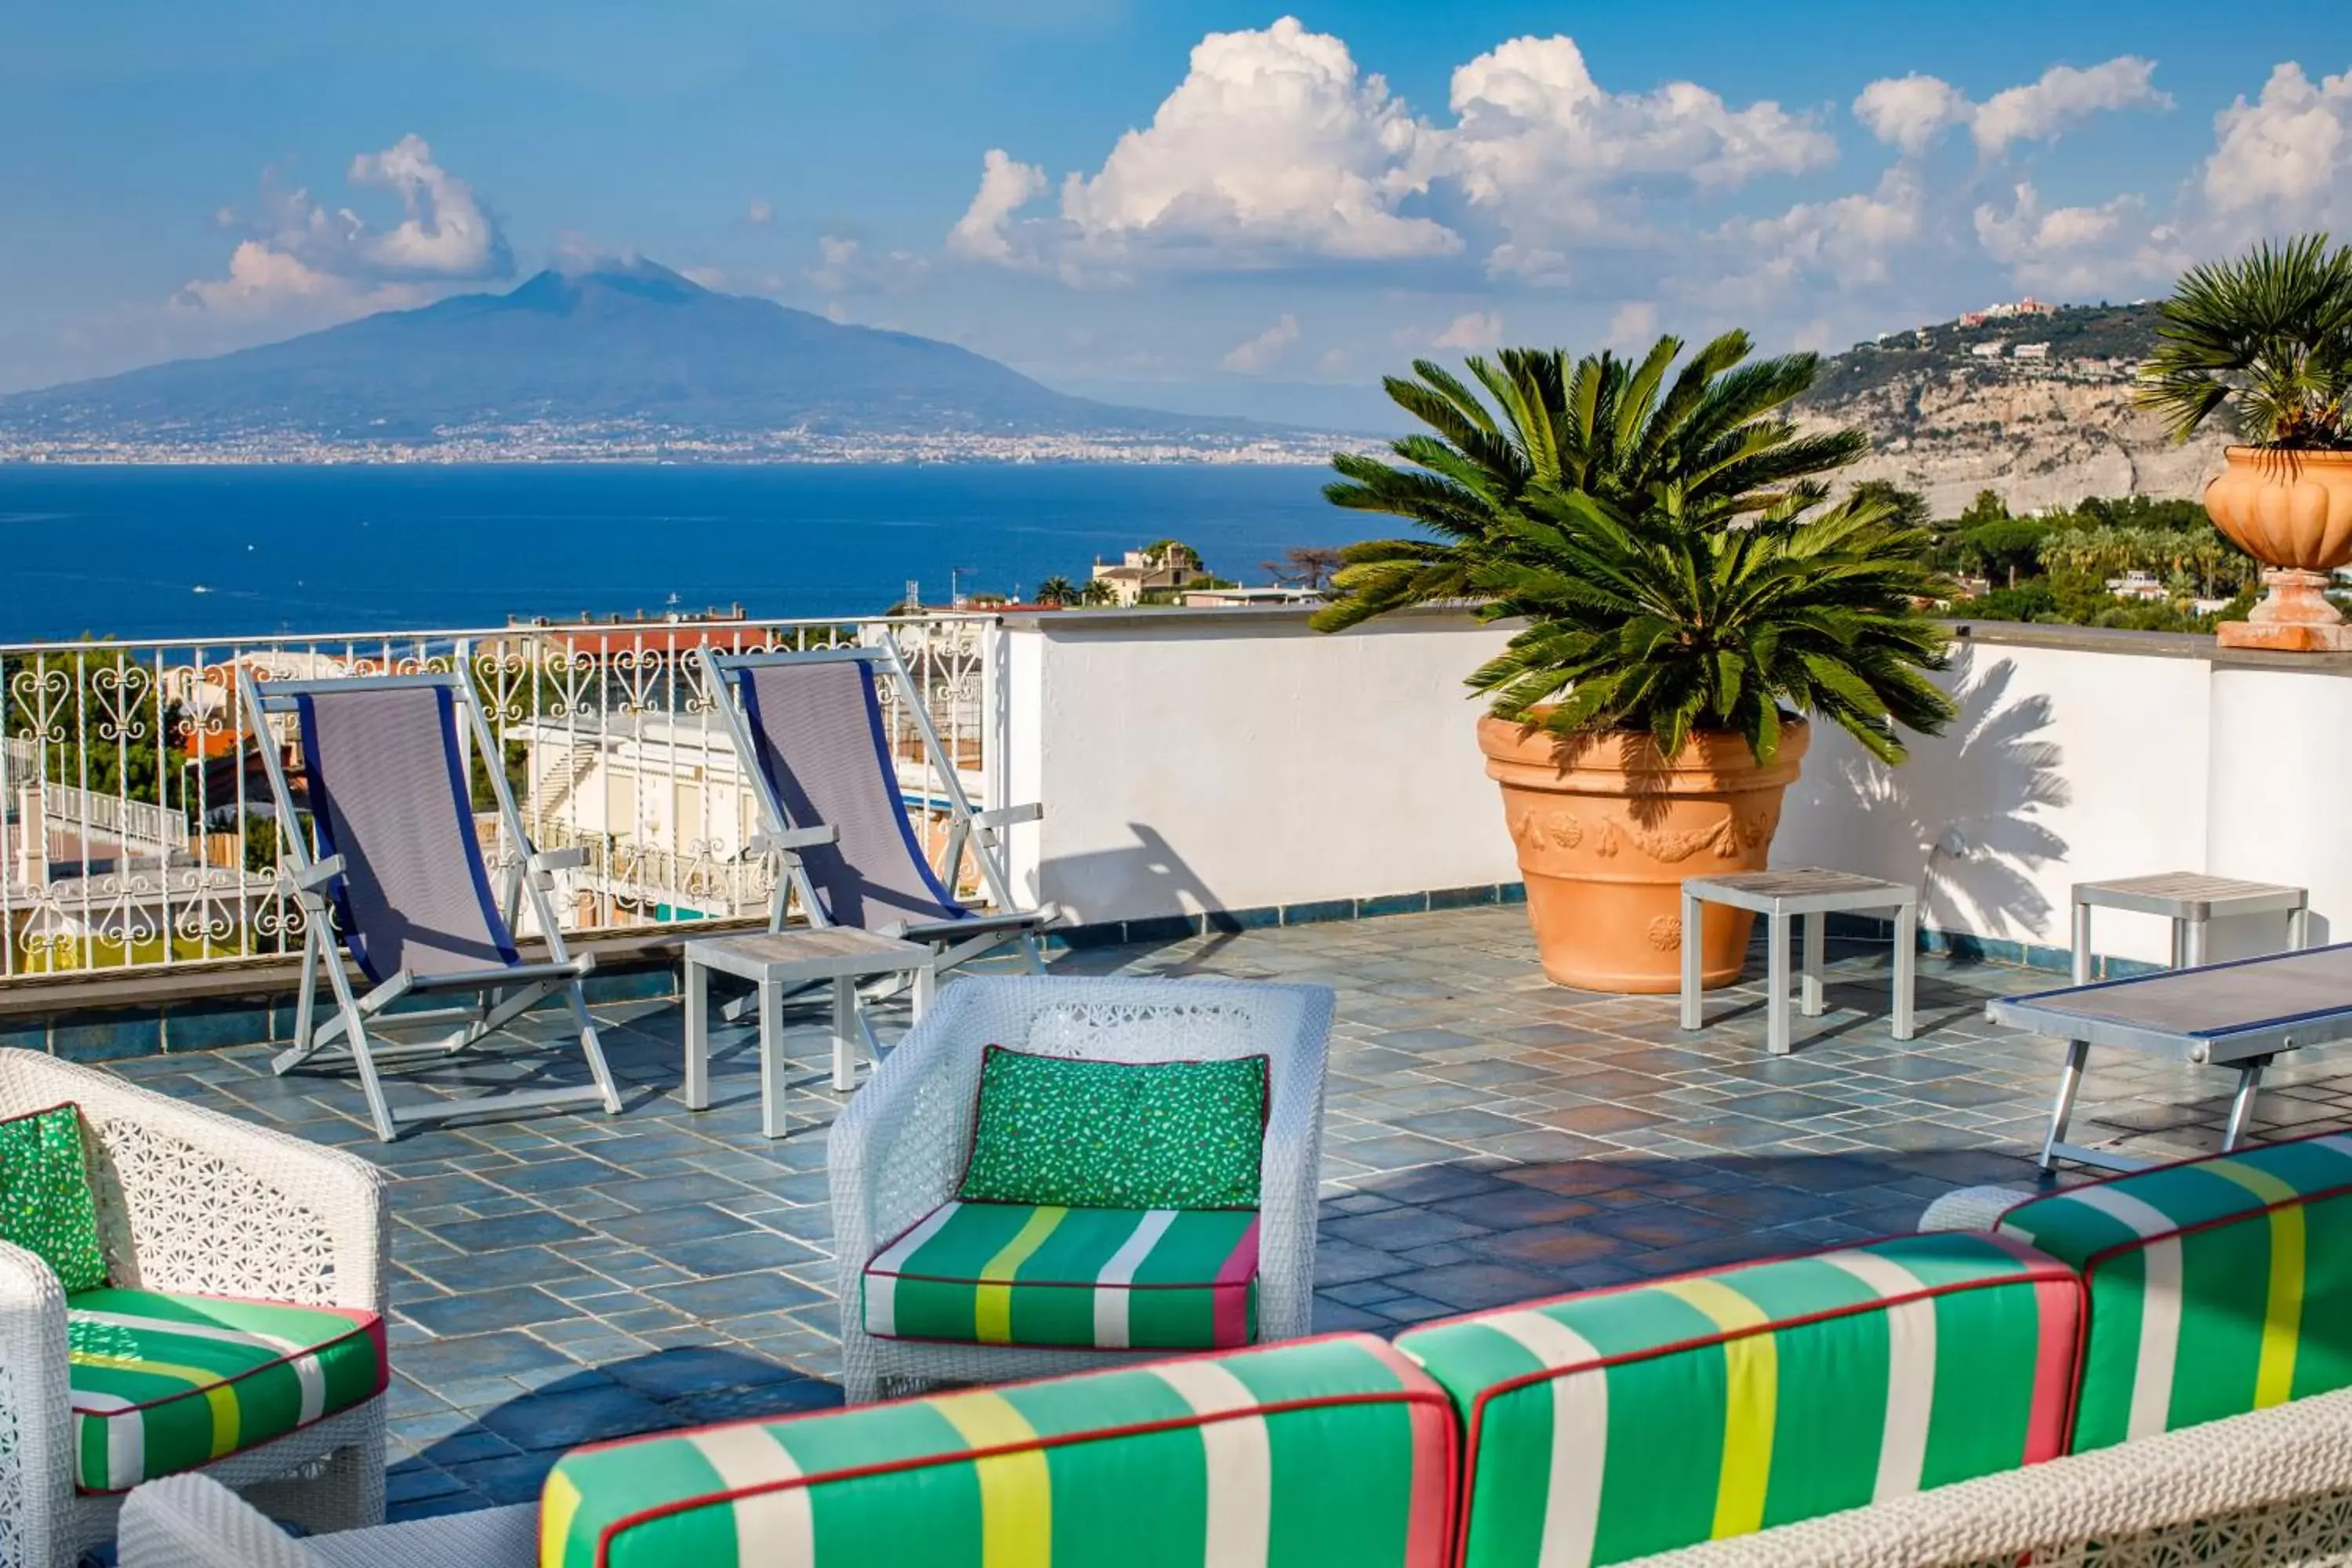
column 2152, row 1371
column 189, row 1202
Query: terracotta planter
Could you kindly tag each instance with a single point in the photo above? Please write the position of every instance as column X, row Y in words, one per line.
column 2292, row 513
column 1606, row 833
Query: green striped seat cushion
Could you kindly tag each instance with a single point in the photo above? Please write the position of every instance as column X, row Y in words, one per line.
column 1317, row 1452
column 165, row 1382
column 2217, row 1287
column 1022, row 1274
column 1619, row 1423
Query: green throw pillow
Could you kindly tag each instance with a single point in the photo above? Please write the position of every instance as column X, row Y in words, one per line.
column 45, row 1204
column 1116, row 1135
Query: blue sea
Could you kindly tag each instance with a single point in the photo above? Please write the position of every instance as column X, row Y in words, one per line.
column 224, row 551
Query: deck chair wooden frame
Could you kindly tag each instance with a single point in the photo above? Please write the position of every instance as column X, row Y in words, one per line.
column 954, row 940
column 318, row 873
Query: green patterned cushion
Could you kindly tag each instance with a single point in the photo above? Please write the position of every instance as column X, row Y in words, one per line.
column 2217, row 1287
column 1019, row 1274
column 1619, row 1423
column 1095, row 1134
column 1331, row 1453
column 45, row 1204
column 161, row 1382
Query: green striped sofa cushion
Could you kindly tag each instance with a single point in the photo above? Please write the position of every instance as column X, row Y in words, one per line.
column 2217, row 1287
column 165, row 1382
column 1024, row 1273
column 1317, row 1452
column 1619, row 1423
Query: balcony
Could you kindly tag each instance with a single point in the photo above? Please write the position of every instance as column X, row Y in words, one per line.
column 1227, row 794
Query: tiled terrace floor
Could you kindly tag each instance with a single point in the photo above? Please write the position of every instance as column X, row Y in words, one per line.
column 1490, row 1138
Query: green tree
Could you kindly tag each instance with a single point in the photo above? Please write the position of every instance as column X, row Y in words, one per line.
column 1651, row 620
column 1057, row 590
column 1717, row 435
column 1173, row 553
column 1665, row 535
column 2004, row 546
column 1098, row 592
column 2265, row 340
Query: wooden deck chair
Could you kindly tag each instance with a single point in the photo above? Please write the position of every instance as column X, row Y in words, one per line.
column 808, row 732
column 397, row 878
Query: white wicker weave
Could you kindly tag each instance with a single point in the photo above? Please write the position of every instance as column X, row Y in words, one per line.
column 897, row 1150
column 192, row 1521
column 189, row 1200
column 1972, row 1208
column 2272, row 1488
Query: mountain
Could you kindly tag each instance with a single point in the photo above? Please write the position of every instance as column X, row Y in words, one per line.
column 626, row 353
column 1952, row 409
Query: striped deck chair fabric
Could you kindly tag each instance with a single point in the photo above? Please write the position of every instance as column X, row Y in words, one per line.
column 386, row 794
column 817, row 729
column 160, row 1383
column 1024, row 1273
column 1331, row 1453
column 1619, row 1423
column 2215, row 1286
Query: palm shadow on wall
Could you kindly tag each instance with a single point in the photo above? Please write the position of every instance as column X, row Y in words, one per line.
column 1964, row 816
column 1146, row 875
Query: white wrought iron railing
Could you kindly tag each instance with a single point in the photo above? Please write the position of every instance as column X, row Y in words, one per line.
column 156, row 846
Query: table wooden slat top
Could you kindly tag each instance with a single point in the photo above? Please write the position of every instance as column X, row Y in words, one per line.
column 2189, row 895
column 2306, row 996
column 1798, row 886
column 813, row 952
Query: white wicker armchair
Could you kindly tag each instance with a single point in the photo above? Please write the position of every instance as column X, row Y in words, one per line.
column 897, row 1150
column 188, row 1200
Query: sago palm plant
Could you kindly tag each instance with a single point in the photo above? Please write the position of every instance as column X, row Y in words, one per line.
column 1648, row 619
column 1668, row 541
column 2268, row 339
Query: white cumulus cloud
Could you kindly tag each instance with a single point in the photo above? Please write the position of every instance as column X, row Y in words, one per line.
column 306, row 259
column 1470, row 333
column 1261, row 352
column 1911, row 112
column 2286, row 157
column 1007, row 186
column 1273, row 143
column 1552, row 152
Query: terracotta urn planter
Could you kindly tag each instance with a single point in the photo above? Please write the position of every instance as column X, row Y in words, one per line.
column 1608, row 829
column 2292, row 513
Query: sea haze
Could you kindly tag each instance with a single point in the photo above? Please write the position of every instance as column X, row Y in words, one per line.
column 124, row 551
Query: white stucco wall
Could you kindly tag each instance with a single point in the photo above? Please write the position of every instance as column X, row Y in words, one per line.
column 1195, row 760
column 1229, row 759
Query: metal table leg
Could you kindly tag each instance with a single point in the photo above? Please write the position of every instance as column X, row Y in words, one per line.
column 2298, row 929
column 2070, row 1079
column 2241, row 1106
column 772, row 1059
column 698, row 1035
column 1776, row 1028
column 2082, row 944
column 1691, row 933
column 845, row 1035
column 1817, row 927
column 2193, row 949
column 1906, row 968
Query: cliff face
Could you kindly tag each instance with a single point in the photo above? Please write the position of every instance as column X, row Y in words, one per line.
column 2034, row 408
column 2037, row 440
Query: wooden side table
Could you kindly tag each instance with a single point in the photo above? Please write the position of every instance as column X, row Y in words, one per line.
column 781, row 962
column 2189, row 899
column 1813, row 893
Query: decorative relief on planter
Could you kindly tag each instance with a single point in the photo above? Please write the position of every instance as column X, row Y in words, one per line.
column 1730, row 839
column 1667, row 933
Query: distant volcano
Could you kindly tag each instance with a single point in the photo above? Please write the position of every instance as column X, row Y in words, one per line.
column 625, row 342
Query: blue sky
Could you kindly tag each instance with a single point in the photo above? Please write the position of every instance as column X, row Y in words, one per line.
column 1207, row 205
